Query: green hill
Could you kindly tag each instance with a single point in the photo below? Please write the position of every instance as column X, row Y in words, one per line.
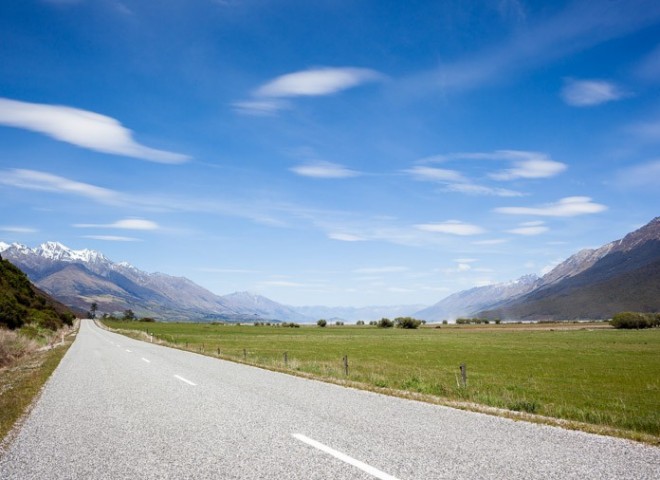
column 21, row 303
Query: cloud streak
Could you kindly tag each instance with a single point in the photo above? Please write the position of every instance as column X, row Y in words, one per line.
column 451, row 227
column 125, row 224
column 589, row 93
column 82, row 128
column 324, row 170
column 46, row 182
column 269, row 98
column 566, row 207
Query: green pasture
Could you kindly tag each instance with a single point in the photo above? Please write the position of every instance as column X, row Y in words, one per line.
column 600, row 376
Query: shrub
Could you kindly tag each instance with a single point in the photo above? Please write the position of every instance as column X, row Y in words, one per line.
column 359, row 322
column 445, row 322
column 385, row 323
column 148, row 320
column 339, row 323
column 407, row 322
column 322, row 323
column 635, row 320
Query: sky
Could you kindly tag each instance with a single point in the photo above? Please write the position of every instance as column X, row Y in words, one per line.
column 333, row 152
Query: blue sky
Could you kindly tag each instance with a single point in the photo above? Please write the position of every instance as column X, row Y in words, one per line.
column 330, row 152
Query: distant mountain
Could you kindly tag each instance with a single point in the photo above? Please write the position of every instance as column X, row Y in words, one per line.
column 262, row 306
column 622, row 275
column 352, row 314
column 79, row 277
column 468, row 303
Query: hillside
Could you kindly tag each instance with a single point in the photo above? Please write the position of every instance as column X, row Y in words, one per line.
column 595, row 284
column 22, row 303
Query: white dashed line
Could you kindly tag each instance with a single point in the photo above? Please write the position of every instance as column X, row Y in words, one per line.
column 184, row 380
column 344, row 458
column 128, row 350
column 144, row 359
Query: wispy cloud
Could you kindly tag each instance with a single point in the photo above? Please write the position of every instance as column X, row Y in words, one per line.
column 649, row 131
column 527, row 165
column 589, row 93
column 125, row 224
column 345, row 237
column 46, row 182
column 645, row 174
column 529, row 228
column 491, row 241
column 81, row 128
column 524, row 165
column 268, row 98
column 580, row 25
column 566, row 207
column 451, row 227
column 17, row 229
column 321, row 169
column 112, row 238
column 315, row 82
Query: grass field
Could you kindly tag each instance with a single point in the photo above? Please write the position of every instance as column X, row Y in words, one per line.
column 583, row 373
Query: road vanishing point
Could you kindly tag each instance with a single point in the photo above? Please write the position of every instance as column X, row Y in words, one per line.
column 118, row 408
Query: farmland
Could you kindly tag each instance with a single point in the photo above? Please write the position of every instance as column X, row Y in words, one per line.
column 585, row 373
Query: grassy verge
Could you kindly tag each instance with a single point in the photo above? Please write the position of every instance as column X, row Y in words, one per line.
column 22, row 380
column 584, row 376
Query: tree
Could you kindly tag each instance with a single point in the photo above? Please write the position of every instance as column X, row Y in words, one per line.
column 322, row 323
column 92, row 310
column 385, row 323
column 407, row 322
column 129, row 315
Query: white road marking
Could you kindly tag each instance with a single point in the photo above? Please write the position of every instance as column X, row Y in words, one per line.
column 344, row 458
column 184, row 380
column 128, row 350
column 148, row 361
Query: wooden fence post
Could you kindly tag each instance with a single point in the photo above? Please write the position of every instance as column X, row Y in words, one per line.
column 345, row 365
column 463, row 368
column 286, row 359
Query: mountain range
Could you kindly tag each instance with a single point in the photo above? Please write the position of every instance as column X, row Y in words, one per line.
column 593, row 283
column 80, row 277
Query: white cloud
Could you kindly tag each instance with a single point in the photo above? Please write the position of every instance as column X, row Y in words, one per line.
column 46, row 182
column 451, row 227
column 16, row 229
column 527, row 165
column 346, row 237
column 324, row 170
column 112, row 238
column 566, row 207
column 647, row 130
column 529, row 229
column 435, row 174
column 315, row 82
column 125, row 224
column 492, row 241
column 82, row 128
column 262, row 108
column 474, row 189
column 589, row 93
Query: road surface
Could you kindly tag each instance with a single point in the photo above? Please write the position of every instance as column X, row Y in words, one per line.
column 118, row 408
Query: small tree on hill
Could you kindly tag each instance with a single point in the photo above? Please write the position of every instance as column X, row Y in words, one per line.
column 322, row 323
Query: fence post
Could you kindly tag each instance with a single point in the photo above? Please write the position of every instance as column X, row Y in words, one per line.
column 463, row 368
column 345, row 365
column 218, row 351
column 244, row 354
column 286, row 359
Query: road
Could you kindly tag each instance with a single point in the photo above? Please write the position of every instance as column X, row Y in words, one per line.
column 118, row 408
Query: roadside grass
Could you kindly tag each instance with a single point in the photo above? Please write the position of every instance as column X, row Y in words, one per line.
column 601, row 379
column 22, row 380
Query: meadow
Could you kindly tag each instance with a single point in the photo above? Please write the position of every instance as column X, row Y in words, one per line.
column 588, row 373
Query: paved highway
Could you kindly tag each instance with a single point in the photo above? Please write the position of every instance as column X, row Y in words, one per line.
column 117, row 408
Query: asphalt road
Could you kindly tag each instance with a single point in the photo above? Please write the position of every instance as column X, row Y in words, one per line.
column 118, row 408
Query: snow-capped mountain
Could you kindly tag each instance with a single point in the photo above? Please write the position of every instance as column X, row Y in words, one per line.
column 619, row 276
column 80, row 277
column 468, row 303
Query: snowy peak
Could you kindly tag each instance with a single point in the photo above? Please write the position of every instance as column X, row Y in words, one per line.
column 58, row 251
column 4, row 246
